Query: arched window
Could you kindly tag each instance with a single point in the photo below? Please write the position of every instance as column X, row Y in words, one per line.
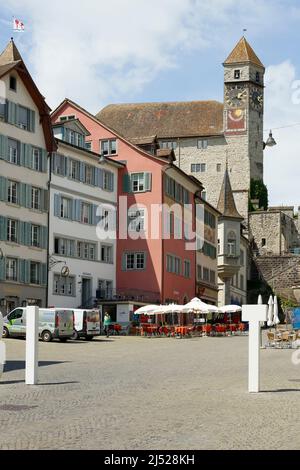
column 231, row 244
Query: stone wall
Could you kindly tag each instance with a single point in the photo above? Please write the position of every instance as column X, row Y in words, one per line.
column 280, row 272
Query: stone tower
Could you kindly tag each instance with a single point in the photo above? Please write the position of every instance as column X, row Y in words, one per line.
column 243, row 119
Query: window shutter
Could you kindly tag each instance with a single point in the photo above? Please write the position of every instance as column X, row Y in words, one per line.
column 67, row 166
column 57, row 203
column 22, row 195
column 94, row 170
column 31, row 120
column 43, row 274
column 99, row 177
column 3, row 228
column 44, row 237
column 44, row 200
column 94, row 218
column 28, row 196
column 26, row 271
column 44, row 161
column 2, row 269
column 21, row 270
column 28, row 156
column 82, row 172
column 22, row 154
column 76, row 210
column 12, row 112
column 124, row 262
column 54, row 160
column 3, row 188
column 3, row 147
column 110, row 181
column 28, row 234
column 147, row 179
column 126, row 183
column 22, row 232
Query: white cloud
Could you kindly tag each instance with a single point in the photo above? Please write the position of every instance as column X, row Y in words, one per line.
column 282, row 161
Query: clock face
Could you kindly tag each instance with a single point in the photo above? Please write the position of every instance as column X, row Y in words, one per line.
column 256, row 99
column 236, row 95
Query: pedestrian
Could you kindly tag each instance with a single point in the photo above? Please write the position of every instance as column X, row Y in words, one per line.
column 107, row 322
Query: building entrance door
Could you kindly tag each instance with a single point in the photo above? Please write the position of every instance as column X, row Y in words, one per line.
column 86, row 292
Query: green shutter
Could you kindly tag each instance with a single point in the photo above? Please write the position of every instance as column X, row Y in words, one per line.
column 28, row 234
column 28, row 200
column 22, row 195
column 3, row 228
column 22, row 154
column 28, row 155
column 43, row 274
column 44, row 237
column 3, row 147
column 147, row 179
column 22, row 232
column 12, row 113
column 3, row 188
column 31, row 120
column 126, row 184
column 2, row 269
column 44, row 161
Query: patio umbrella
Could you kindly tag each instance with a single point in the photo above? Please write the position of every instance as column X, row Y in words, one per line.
column 198, row 306
column 230, row 309
column 276, row 318
column 260, row 300
column 270, row 311
column 146, row 310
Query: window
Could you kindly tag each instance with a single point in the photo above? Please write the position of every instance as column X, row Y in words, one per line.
column 35, row 198
column 135, row 261
column 88, row 174
column 64, row 285
column 12, row 195
column 231, row 244
column 106, row 253
column 209, row 219
column 172, row 144
column 23, row 117
column 12, row 83
column 257, row 77
column 202, row 144
column 12, row 230
column 64, row 246
column 187, row 268
column 36, row 159
column 35, row 235
column 66, row 208
column 237, row 74
column 212, row 277
column 79, row 140
column 176, row 191
column 209, row 250
column 67, row 118
column 34, row 273
column 88, row 145
column 86, row 250
column 206, row 274
column 138, row 182
column 199, row 272
column 136, row 220
column 108, row 147
column 173, row 264
column 219, row 167
column 85, row 213
column 108, row 180
column 75, row 170
column 13, row 150
column 263, row 242
column 198, row 167
column 11, row 269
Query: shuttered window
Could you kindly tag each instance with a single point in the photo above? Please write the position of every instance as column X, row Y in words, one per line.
column 137, row 182
column 20, row 116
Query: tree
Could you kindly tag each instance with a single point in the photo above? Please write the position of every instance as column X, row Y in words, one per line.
column 258, row 190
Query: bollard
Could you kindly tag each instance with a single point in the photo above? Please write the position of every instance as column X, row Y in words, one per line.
column 32, row 341
column 254, row 314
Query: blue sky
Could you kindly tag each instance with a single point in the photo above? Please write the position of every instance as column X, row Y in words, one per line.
column 165, row 50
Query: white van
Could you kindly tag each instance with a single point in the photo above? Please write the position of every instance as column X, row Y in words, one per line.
column 86, row 324
column 53, row 323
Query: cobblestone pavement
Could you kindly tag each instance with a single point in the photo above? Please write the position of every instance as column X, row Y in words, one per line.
column 149, row 393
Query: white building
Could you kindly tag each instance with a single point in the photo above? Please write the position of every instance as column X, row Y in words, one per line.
column 79, row 185
column 25, row 140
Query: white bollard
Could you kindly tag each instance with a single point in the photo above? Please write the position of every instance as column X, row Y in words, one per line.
column 254, row 314
column 2, row 347
column 32, row 341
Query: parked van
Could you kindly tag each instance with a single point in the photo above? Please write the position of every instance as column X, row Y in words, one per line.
column 86, row 324
column 53, row 323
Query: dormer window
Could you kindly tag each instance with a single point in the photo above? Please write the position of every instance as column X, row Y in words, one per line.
column 13, row 83
column 108, row 147
column 67, row 118
column 237, row 74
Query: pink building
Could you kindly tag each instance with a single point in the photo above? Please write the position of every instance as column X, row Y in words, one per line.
column 150, row 267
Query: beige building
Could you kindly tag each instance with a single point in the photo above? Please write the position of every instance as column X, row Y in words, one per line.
column 206, row 134
column 25, row 140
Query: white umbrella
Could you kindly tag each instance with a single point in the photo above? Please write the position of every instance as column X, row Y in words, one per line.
column 197, row 306
column 276, row 318
column 270, row 311
column 172, row 308
column 260, row 300
column 230, row 309
column 146, row 310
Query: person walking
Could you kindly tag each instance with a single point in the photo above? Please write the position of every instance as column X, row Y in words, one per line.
column 107, row 322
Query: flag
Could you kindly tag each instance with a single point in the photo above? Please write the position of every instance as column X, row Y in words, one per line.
column 18, row 25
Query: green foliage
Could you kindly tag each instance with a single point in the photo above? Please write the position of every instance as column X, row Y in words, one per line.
column 286, row 303
column 258, row 190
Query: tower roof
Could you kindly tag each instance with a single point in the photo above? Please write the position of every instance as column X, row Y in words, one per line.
column 226, row 204
column 10, row 54
column 243, row 52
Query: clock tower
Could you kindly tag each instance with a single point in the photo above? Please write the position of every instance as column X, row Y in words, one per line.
column 243, row 120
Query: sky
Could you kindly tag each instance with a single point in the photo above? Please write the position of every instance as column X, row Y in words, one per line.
column 97, row 52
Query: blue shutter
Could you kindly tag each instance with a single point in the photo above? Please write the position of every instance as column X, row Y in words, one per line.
column 12, row 113
column 22, row 232
column 147, row 179
column 99, row 177
column 28, row 196
column 77, row 206
column 2, row 269
column 22, row 154
column 94, row 171
column 21, row 270
column 67, row 166
column 3, row 228
column 94, row 218
column 26, row 271
column 82, row 172
column 44, row 161
column 28, row 234
column 57, row 204
column 3, row 188
column 3, row 147
column 28, row 156
column 126, row 184
column 44, row 237
column 43, row 274
column 53, row 160
column 22, row 194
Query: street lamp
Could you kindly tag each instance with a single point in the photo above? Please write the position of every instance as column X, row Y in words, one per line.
column 271, row 142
